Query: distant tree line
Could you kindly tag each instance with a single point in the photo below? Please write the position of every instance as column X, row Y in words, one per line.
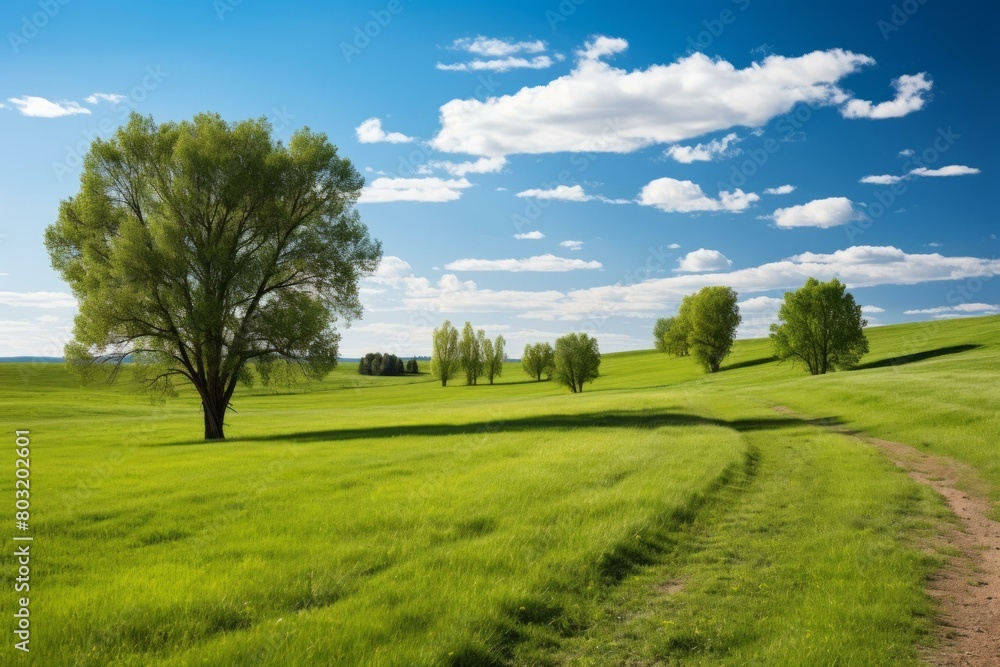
column 472, row 354
column 376, row 363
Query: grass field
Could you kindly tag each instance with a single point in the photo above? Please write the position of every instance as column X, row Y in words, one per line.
column 661, row 517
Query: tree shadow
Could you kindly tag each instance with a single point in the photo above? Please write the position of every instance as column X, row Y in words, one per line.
column 645, row 419
column 748, row 363
column 916, row 356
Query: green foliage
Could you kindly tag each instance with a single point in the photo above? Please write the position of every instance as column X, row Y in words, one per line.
column 470, row 352
column 538, row 359
column 670, row 334
column 494, row 355
column 445, row 357
column 412, row 366
column 821, row 327
column 196, row 248
column 713, row 315
column 577, row 360
column 376, row 363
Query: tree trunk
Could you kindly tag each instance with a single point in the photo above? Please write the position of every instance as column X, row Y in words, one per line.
column 214, row 419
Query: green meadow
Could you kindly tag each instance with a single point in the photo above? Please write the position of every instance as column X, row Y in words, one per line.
column 664, row 516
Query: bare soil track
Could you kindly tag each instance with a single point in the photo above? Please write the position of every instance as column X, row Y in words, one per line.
column 967, row 589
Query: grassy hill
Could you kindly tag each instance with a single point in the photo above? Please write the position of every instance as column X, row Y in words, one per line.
column 663, row 515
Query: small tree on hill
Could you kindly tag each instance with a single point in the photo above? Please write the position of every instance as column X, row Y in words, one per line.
column 820, row 326
column 714, row 317
column 577, row 360
column 495, row 355
column 412, row 367
column 538, row 359
column 445, row 359
column 670, row 334
column 471, row 353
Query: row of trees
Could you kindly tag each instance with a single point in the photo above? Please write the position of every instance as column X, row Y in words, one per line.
column 376, row 363
column 576, row 359
column 473, row 354
column 820, row 326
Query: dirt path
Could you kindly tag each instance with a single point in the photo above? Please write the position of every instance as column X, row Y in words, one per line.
column 968, row 587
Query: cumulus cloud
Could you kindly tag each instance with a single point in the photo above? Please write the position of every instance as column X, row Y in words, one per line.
column 38, row 299
column 485, row 165
column 704, row 152
column 758, row 314
column 674, row 196
column 674, row 246
column 113, row 98
column 823, row 213
column 949, row 170
column 857, row 267
column 498, row 55
column 600, row 108
column 39, row 107
column 701, row 260
column 907, row 152
column 535, row 235
column 872, row 310
column 959, row 310
column 547, row 263
column 387, row 189
column 567, row 193
column 780, row 190
column 371, row 132
column 572, row 245
column 911, row 96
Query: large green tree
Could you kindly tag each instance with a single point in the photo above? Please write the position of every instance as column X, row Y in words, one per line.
column 577, row 360
column 202, row 248
column 494, row 355
column 820, row 325
column 445, row 360
column 538, row 358
column 713, row 315
column 470, row 351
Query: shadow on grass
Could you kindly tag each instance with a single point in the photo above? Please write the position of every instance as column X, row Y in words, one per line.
column 747, row 364
column 646, row 419
column 916, row 356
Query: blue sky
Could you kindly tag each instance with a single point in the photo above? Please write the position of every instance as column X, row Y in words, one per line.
column 640, row 150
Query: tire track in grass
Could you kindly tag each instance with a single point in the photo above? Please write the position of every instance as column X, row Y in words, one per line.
column 967, row 589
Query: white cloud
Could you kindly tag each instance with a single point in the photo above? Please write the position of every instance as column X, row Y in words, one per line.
column 780, row 190
column 597, row 107
column 413, row 189
column 950, row 170
column 883, row 179
column 572, row 245
column 704, row 152
column 959, row 309
column 758, row 314
column 872, row 310
column 113, row 98
column 534, row 236
column 701, row 260
column 497, row 64
column 822, row 213
column 674, row 246
column 39, row 107
column 602, row 46
column 545, row 262
column 493, row 47
column 499, row 55
column 48, row 318
column 568, row 193
column 673, row 196
column 38, row 299
column 371, row 132
column 485, row 165
column 907, row 152
column 910, row 97
column 858, row 266
column 29, row 339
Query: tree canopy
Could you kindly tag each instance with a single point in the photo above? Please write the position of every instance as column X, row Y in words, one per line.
column 445, row 359
column 670, row 334
column 820, row 326
column 538, row 359
column 577, row 360
column 470, row 352
column 713, row 316
column 494, row 355
column 200, row 248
